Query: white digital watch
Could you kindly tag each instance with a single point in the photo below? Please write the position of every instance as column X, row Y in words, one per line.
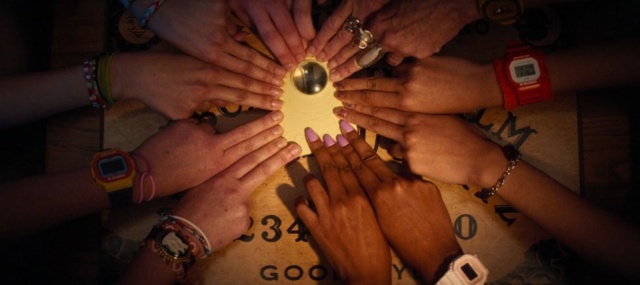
column 464, row 270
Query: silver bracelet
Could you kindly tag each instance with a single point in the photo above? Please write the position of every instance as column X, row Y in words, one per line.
column 513, row 156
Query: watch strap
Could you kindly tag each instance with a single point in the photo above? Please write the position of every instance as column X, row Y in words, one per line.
column 122, row 197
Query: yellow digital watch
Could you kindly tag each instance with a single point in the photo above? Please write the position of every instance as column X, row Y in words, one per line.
column 114, row 170
column 505, row 12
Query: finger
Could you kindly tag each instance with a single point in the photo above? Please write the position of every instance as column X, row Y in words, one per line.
column 251, row 160
column 327, row 166
column 370, row 158
column 391, row 115
column 371, row 83
column 253, row 143
column 396, row 151
column 274, row 40
column 349, row 179
column 302, row 17
column 268, row 167
column 345, row 69
column 375, row 124
column 370, row 98
column 245, row 98
column 249, row 130
column 245, row 60
column 306, row 214
column 339, row 41
column 241, row 81
column 287, row 27
column 206, row 126
column 365, row 176
column 395, row 58
column 318, row 194
column 331, row 26
column 346, row 53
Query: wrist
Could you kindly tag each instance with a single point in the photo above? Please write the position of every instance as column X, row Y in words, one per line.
column 491, row 92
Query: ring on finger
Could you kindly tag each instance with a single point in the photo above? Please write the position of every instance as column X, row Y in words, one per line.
column 352, row 24
column 372, row 54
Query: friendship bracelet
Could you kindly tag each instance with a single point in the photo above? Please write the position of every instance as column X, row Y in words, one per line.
column 143, row 175
column 191, row 228
column 103, row 78
column 149, row 12
column 513, row 156
column 89, row 68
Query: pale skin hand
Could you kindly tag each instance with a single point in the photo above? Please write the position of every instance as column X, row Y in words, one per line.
column 220, row 207
column 437, row 85
column 411, row 212
column 342, row 221
column 332, row 37
column 202, row 29
column 161, row 80
column 185, row 154
column 412, row 28
column 273, row 20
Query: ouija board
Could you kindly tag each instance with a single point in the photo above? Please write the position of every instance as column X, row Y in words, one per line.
column 277, row 248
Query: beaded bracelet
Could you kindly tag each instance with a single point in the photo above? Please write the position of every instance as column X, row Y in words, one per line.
column 89, row 68
column 149, row 12
column 513, row 156
column 191, row 228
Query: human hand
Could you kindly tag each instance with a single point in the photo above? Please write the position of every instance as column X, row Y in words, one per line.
column 436, row 84
column 333, row 40
column 342, row 221
column 411, row 212
column 221, row 206
column 177, row 85
column 442, row 147
column 415, row 28
column 274, row 22
column 202, row 28
column 185, row 154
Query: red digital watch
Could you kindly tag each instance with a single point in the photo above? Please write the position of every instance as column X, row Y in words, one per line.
column 522, row 76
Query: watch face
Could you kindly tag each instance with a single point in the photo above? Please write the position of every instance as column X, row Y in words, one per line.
column 469, row 272
column 112, row 167
column 524, row 70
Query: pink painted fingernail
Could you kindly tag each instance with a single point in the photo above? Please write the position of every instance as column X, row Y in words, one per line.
column 310, row 134
column 328, row 140
column 342, row 141
column 346, row 127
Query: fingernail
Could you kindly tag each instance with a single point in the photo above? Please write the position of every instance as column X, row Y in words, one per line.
column 280, row 71
column 277, row 81
column 334, row 76
column 310, row 134
column 340, row 112
column 338, row 94
column 328, row 140
column 332, row 64
column 346, row 127
column 295, row 150
column 276, row 91
column 311, row 51
column 291, row 66
column 277, row 116
column 277, row 130
column 338, row 85
column 342, row 141
column 281, row 143
column 321, row 56
column 276, row 104
column 348, row 105
column 300, row 58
